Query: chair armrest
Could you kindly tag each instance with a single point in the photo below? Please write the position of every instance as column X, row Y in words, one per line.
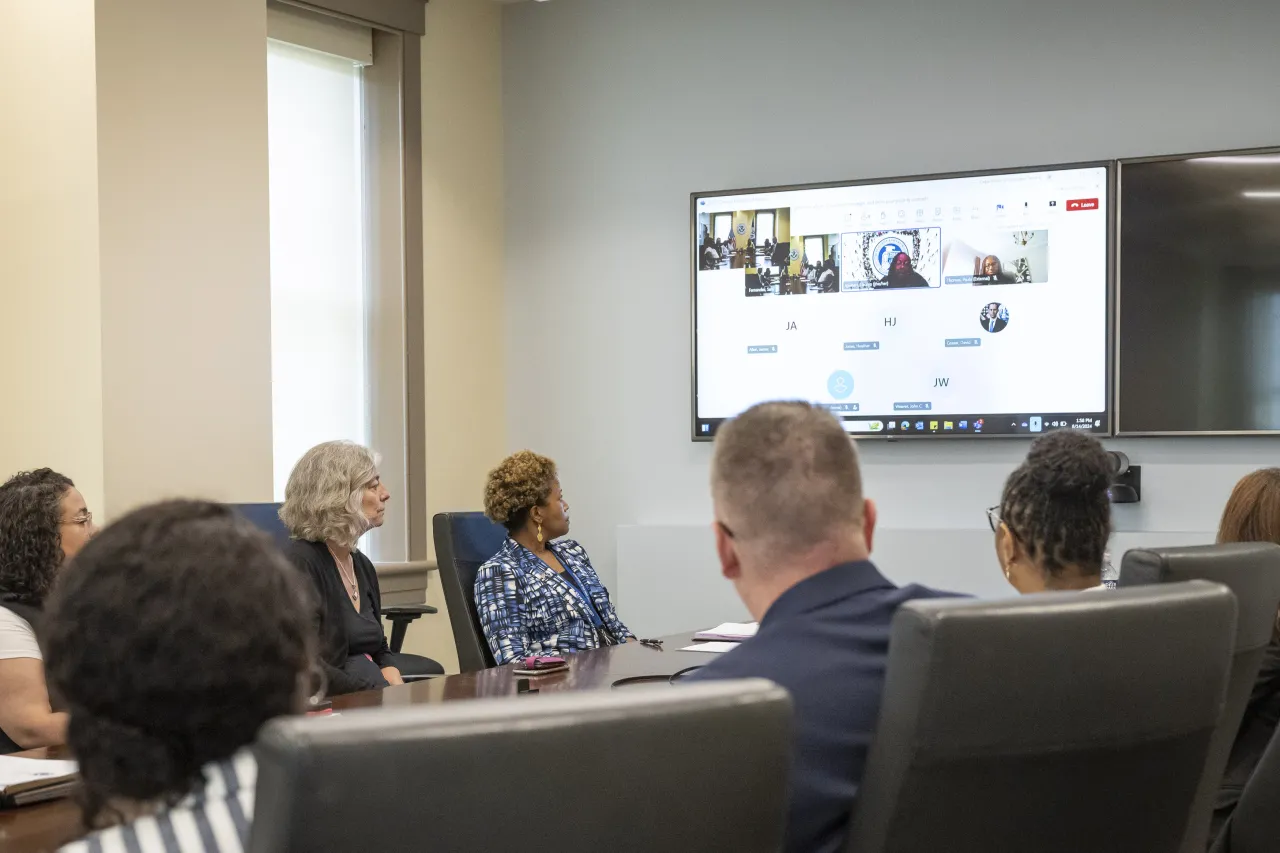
column 408, row 612
column 400, row 615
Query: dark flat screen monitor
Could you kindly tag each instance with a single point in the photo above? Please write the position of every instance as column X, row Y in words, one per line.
column 1198, row 349
column 941, row 306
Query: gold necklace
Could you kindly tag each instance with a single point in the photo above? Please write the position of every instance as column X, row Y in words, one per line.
column 348, row 575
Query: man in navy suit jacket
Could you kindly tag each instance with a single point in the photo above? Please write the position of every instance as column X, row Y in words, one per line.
column 793, row 533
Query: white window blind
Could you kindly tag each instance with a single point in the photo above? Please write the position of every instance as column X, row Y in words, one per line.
column 764, row 227
column 813, row 250
column 724, row 226
column 318, row 292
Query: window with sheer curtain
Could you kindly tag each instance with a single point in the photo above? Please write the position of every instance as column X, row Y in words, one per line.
column 813, row 250
column 764, row 227
column 724, row 226
column 340, row 245
column 319, row 369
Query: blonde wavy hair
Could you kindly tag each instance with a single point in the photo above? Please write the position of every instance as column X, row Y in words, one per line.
column 520, row 482
column 324, row 496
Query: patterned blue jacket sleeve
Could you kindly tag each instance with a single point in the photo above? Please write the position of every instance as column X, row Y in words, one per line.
column 600, row 595
column 502, row 611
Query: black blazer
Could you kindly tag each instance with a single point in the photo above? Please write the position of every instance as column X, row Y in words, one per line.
column 314, row 559
column 1257, row 728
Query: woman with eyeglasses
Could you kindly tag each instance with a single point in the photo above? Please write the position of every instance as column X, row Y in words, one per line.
column 1054, row 519
column 539, row 594
column 43, row 523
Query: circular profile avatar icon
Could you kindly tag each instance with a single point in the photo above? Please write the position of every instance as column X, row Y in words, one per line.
column 994, row 317
column 840, row 384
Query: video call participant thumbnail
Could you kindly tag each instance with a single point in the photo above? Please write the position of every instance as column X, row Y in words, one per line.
column 903, row 274
column 993, row 317
column 990, row 270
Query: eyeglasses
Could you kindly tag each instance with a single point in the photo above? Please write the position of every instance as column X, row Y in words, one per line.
column 993, row 517
column 84, row 519
column 725, row 528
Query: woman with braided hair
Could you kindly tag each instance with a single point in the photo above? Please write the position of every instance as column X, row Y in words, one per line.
column 1054, row 519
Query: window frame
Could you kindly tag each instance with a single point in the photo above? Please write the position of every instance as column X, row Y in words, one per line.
column 393, row 95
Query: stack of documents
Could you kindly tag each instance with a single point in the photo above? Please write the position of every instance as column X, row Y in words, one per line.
column 726, row 635
column 736, row 631
column 32, row 780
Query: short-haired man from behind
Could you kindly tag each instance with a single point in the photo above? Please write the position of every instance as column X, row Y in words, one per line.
column 793, row 533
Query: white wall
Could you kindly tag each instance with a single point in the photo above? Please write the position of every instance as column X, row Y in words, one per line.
column 462, row 207
column 610, row 108
column 50, row 344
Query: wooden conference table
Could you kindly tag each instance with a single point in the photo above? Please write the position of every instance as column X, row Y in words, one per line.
column 44, row 827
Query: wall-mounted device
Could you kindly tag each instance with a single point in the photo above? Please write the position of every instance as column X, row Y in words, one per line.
column 1126, row 479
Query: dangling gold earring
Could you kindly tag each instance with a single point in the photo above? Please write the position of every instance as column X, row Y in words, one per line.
column 539, row 534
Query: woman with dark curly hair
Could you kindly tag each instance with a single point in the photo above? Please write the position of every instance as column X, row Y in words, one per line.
column 1054, row 519
column 43, row 523
column 173, row 637
column 537, row 595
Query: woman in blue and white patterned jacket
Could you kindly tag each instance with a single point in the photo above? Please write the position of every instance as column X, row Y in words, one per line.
column 539, row 594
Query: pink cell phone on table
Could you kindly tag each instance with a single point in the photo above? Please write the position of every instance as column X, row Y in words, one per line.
column 541, row 665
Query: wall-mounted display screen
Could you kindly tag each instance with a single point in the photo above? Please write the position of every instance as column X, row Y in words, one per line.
column 955, row 305
column 1199, row 295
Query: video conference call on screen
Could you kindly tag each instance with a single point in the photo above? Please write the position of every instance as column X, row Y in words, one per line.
column 969, row 305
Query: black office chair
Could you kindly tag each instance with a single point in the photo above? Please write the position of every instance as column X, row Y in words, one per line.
column 1254, row 827
column 1252, row 571
column 703, row 768
column 266, row 517
column 464, row 542
column 1054, row 723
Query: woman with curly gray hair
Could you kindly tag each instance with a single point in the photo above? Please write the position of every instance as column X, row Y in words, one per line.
column 43, row 523
column 334, row 496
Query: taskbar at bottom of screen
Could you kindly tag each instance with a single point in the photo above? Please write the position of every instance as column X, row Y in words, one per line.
column 917, row 424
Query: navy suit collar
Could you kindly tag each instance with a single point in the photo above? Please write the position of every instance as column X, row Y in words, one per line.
column 839, row 581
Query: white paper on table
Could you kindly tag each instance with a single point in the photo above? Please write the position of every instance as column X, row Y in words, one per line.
column 729, row 631
column 715, row 648
column 23, row 771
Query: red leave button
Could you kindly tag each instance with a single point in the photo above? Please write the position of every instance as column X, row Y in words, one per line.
column 1082, row 204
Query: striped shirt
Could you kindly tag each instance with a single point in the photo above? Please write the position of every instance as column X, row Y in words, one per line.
column 213, row 820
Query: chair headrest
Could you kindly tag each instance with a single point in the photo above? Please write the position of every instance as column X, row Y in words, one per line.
column 265, row 517
column 474, row 537
column 367, row 780
column 1249, row 569
column 482, row 718
column 1090, row 654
